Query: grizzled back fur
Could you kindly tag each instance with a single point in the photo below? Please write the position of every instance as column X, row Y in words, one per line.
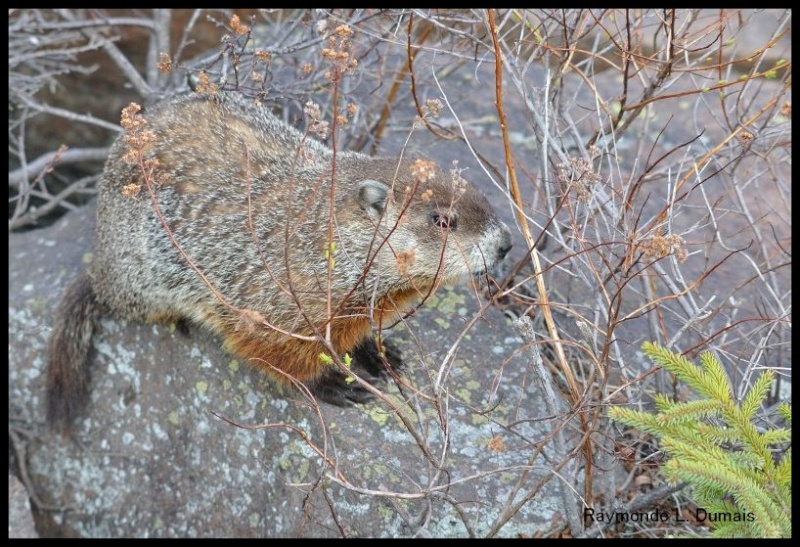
column 224, row 162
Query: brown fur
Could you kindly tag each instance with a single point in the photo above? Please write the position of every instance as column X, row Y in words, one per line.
column 248, row 199
column 69, row 353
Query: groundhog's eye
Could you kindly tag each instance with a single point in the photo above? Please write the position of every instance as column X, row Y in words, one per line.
column 444, row 221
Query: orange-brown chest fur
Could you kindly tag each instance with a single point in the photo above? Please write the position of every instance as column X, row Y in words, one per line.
column 289, row 357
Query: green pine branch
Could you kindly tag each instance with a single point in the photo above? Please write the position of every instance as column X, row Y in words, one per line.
column 715, row 446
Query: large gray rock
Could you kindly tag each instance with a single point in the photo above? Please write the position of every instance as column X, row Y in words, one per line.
column 20, row 522
column 151, row 458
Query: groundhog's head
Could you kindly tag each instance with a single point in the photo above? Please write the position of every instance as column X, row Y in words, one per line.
column 429, row 226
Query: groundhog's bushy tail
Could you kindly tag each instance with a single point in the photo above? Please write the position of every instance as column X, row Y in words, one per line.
column 68, row 355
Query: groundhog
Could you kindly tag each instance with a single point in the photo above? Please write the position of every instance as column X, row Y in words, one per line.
column 288, row 251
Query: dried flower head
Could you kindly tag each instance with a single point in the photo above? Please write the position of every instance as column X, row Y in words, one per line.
column 136, row 138
column 164, row 63
column 661, row 246
column 459, row 183
column 262, row 55
column 344, row 31
column 131, row 190
column 338, row 53
column 423, row 170
column 312, row 110
column 496, row 444
column 432, row 108
column 405, row 261
column 579, row 175
column 238, row 28
column 316, row 124
column 205, row 85
column 745, row 137
column 130, row 119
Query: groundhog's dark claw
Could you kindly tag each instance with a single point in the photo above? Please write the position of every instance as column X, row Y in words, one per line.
column 334, row 390
column 367, row 358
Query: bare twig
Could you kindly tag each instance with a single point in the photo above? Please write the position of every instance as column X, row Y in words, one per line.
column 46, row 162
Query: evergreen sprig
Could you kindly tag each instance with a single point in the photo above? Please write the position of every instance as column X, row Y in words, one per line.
column 715, row 447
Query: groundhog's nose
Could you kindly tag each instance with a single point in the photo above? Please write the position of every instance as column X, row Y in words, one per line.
column 505, row 244
column 503, row 251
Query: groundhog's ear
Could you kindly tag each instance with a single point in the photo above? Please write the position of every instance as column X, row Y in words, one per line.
column 372, row 195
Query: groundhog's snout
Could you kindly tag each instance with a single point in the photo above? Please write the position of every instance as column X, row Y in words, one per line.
column 504, row 244
column 493, row 247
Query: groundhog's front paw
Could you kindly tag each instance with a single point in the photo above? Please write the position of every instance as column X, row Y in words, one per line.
column 369, row 364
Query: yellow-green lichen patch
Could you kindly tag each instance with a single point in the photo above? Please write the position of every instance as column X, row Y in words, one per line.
column 442, row 322
column 297, row 460
column 285, row 463
column 479, row 419
column 174, row 418
column 35, row 304
column 380, row 414
column 202, row 387
column 254, row 519
column 507, row 478
column 469, row 391
column 385, row 513
column 432, row 301
column 464, row 394
column 376, row 470
column 449, row 301
column 233, row 366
